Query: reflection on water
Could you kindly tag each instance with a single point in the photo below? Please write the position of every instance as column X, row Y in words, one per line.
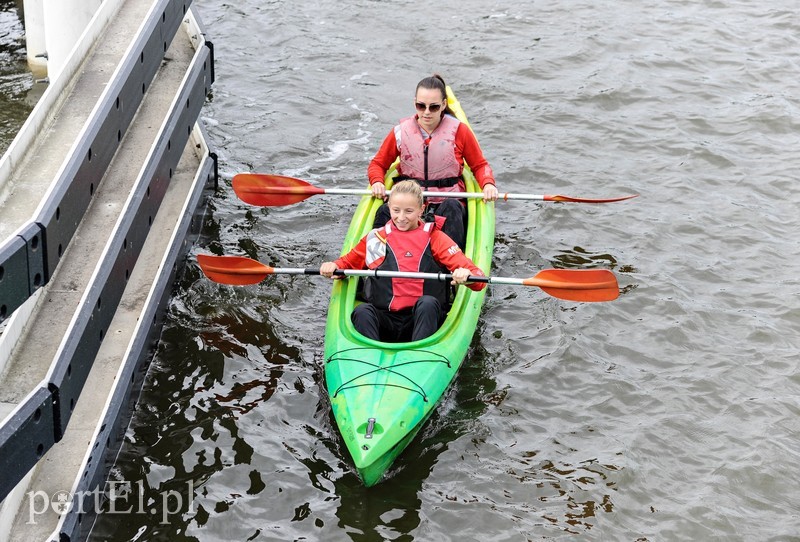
column 190, row 420
column 218, row 435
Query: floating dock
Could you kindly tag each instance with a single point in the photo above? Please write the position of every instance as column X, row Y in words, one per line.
column 101, row 194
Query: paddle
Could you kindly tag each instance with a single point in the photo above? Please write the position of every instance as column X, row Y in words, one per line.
column 569, row 284
column 267, row 190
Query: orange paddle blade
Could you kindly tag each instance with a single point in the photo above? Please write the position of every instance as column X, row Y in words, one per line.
column 272, row 190
column 234, row 270
column 577, row 284
column 586, row 200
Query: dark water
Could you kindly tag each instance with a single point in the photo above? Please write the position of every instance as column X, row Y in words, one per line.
column 669, row 414
column 18, row 92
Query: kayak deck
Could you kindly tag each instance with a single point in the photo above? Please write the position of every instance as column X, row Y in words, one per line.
column 382, row 393
column 408, row 377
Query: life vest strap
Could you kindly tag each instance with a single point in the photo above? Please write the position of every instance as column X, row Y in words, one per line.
column 447, row 182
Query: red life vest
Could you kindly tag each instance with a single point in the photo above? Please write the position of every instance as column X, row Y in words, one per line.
column 390, row 249
column 431, row 162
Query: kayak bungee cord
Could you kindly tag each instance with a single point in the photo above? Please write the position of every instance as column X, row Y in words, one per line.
column 391, row 370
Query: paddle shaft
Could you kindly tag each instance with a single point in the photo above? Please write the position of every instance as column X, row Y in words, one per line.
column 347, row 273
column 429, row 194
column 442, row 277
column 505, row 196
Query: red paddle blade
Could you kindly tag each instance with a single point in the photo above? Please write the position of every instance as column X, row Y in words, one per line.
column 577, row 284
column 272, row 190
column 587, row 200
column 234, row 270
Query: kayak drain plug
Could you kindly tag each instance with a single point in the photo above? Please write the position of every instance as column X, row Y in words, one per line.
column 370, row 428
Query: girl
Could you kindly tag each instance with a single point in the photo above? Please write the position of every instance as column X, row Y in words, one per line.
column 401, row 309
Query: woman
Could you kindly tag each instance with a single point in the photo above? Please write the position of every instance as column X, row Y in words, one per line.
column 433, row 146
column 401, row 309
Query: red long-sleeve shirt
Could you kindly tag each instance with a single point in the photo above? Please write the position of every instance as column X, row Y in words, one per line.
column 466, row 149
column 445, row 251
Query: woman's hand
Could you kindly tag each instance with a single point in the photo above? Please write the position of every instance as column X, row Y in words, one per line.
column 460, row 276
column 490, row 193
column 327, row 269
column 378, row 190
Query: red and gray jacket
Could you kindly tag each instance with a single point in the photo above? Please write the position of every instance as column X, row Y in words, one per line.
column 424, row 249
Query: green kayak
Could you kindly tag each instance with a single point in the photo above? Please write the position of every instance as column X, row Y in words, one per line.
column 382, row 393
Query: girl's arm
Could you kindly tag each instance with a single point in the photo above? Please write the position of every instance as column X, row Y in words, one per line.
column 355, row 259
column 447, row 253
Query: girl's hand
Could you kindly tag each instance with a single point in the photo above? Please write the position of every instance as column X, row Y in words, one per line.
column 327, row 269
column 460, row 275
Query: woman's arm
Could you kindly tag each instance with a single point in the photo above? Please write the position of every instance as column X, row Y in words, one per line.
column 471, row 152
column 383, row 159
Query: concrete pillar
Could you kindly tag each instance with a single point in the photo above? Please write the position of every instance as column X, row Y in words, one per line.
column 53, row 27
column 35, row 42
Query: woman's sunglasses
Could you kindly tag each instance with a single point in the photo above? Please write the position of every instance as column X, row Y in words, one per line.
column 432, row 107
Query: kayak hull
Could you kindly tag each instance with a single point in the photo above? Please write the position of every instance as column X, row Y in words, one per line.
column 382, row 394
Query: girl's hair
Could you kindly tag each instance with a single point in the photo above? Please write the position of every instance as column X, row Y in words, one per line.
column 436, row 82
column 408, row 187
